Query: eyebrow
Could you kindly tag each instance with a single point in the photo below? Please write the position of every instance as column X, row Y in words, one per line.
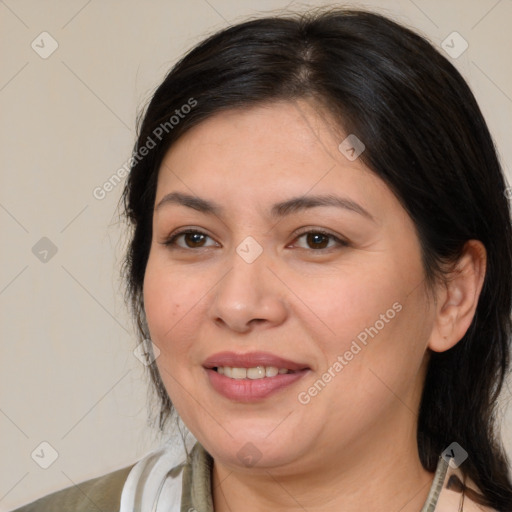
column 278, row 210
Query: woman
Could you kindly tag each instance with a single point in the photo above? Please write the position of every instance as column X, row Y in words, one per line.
column 321, row 252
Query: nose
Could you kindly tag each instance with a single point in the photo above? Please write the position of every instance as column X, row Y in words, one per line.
column 248, row 294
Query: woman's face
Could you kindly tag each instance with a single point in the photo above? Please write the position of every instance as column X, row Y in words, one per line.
column 346, row 311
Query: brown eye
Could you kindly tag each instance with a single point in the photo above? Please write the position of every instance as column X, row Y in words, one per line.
column 193, row 239
column 319, row 240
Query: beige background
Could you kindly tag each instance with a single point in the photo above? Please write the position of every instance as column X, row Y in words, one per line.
column 68, row 373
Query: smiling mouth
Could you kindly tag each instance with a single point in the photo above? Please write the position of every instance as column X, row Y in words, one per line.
column 252, row 377
column 254, row 373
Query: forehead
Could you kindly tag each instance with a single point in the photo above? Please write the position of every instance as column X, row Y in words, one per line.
column 267, row 153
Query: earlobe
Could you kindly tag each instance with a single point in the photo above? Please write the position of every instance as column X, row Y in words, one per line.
column 458, row 298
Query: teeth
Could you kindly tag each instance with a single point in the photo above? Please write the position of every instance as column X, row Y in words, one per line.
column 258, row 372
column 238, row 373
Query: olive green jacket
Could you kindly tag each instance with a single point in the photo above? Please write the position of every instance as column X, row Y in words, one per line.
column 102, row 494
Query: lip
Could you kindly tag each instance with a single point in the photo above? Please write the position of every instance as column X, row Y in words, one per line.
column 252, row 390
column 251, row 360
column 248, row 390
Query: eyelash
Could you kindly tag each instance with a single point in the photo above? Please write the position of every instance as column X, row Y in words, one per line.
column 171, row 241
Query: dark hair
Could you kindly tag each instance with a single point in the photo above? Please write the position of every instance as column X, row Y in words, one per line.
column 425, row 137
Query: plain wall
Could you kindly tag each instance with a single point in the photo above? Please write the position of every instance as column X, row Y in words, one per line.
column 68, row 373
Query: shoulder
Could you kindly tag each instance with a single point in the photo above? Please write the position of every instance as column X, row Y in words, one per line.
column 101, row 493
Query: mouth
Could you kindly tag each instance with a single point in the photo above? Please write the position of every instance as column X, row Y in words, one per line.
column 252, row 376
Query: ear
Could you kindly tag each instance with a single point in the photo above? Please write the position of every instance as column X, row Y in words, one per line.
column 458, row 299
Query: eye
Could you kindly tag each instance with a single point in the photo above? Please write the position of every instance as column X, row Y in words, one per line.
column 317, row 239
column 193, row 239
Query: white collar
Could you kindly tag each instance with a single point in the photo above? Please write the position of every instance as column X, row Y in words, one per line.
column 149, row 487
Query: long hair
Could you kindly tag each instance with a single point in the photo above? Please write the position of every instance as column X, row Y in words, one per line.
column 425, row 137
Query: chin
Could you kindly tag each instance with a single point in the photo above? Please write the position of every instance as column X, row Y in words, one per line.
column 254, row 448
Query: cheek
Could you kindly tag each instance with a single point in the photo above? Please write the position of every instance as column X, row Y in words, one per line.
column 347, row 304
column 170, row 298
column 370, row 318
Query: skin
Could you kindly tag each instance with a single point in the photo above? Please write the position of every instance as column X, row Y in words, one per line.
column 353, row 446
